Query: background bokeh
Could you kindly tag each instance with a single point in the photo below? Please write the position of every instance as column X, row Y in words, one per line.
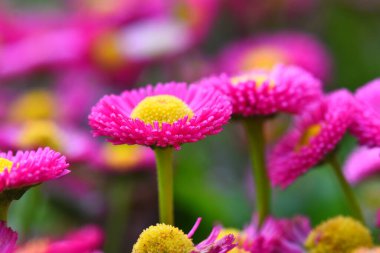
column 212, row 176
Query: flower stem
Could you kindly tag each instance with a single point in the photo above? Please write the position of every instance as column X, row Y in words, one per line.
column 4, row 206
column 355, row 208
column 120, row 192
column 254, row 128
column 164, row 163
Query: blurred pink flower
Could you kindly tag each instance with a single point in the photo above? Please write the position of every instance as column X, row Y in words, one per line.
column 266, row 50
column 362, row 163
column 8, row 239
column 366, row 125
column 88, row 239
column 77, row 145
column 169, row 114
column 316, row 133
column 28, row 168
column 261, row 92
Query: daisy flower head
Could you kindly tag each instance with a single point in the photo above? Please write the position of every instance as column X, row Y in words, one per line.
column 266, row 92
column 267, row 50
column 167, row 115
column 316, row 133
column 339, row 235
column 28, row 168
column 361, row 164
column 366, row 125
column 167, row 238
column 8, row 239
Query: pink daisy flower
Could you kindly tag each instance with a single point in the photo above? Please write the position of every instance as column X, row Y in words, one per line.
column 85, row 240
column 316, row 133
column 261, row 92
column 267, row 50
column 275, row 235
column 8, row 239
column 362, row 163
column 167, row 238
column 167, row 115
column 366, row 125
column 28, row 168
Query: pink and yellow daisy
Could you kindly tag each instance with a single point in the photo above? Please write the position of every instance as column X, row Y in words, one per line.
column 167, row 115
column 366, row 125
column 315, row 134
column 267, row 50
column 162, row 117
column 166, row 238
column 29, row 168
column 265, row 92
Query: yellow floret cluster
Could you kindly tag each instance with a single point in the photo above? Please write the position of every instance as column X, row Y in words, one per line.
column 338, row 235
column 161, row 108
column 163, row 238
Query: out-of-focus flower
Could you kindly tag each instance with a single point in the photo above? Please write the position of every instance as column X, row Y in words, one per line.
column 76, row 145
column 316, row 133
column 124, row 158
column 366, row 125
column 367, row 250
column 265, row 51
column 8, row 239
column 252, row 12
column 166, row 115
column 362, row 163
column 340, row 235
column 28, row 168
column 261, row 92
column 166, row 238
column 276, row 235
column 85, row 240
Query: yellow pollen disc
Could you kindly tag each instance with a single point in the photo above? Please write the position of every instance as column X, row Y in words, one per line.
column 258, row 78
column 34, row 246
column 122, row 157
column 263, row 58
column 5, row 164
column 37, row 104
column 163, row 238
column 106, row 51
column 39, row 133
column 237, row 235
column 161, row 109
column 338, row 235
column 308, row 135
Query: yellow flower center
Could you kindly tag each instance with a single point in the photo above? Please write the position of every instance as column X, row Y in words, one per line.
column 258, row 78
column 122, row 157
column 308, row 135
column 5, row 164
column 163, row 238
column 39, row 133
column 338, row 235
column 161, row 109
column 37, row 104
column 263, row 58
column 106, row 51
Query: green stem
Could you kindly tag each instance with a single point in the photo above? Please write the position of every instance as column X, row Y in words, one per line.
column 347, row 190
column 4, row 206
column 119, row 200
column 164, row 163
column 254, row 128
